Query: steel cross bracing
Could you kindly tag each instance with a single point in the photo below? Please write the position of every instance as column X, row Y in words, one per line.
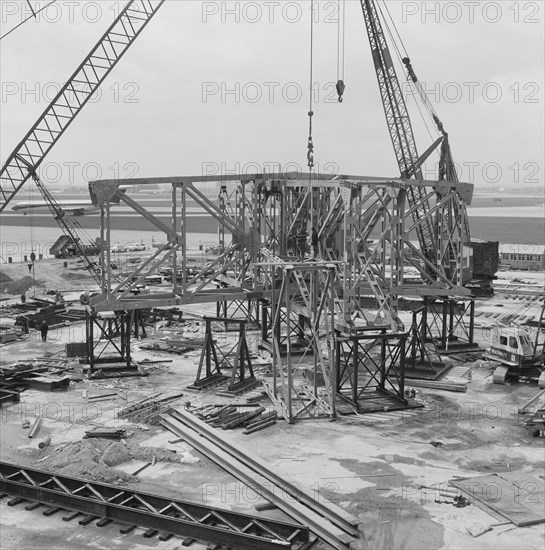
column 364, row 223
column 72, row 97
column 371, row 361
column 177, row 517
column 302, row 329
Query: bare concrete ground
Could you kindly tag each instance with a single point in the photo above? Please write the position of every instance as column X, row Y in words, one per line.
column 372, row 468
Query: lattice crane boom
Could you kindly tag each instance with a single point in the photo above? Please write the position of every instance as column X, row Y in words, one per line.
column 31, row 151
column 399, row 125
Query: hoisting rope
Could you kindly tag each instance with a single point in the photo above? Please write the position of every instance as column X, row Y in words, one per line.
column 403, row 57
column 310, row 143
column 34, row 14
column 31, row 8
column 31, row 263
column 340, row 48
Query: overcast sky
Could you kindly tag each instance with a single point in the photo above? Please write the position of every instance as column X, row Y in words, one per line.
column 215, row 87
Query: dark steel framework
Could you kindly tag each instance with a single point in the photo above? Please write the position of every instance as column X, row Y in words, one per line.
column 108, row 339
column 302, row 312
column 371, row 361
column 365, row 227
column 447, row 323
column 214, row 360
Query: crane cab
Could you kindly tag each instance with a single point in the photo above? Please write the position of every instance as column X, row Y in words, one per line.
column 511, row 346
column 513, row 349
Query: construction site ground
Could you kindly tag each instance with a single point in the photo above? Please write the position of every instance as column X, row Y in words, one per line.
column 373, row 465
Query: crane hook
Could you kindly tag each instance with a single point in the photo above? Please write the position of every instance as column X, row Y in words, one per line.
column 340, row 90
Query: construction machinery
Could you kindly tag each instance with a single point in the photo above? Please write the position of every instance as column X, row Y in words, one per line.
column 518, row 355
column 442, row 230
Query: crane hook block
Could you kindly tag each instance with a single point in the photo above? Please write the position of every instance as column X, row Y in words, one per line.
column 310, row 153
column 410, row 70
column 340, row 90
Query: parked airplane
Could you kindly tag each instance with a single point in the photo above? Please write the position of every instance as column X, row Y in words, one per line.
column 70, row 208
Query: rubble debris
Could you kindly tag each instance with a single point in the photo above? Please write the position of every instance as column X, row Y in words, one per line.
column 31, row 374
column 461, row 502
column 97, row 459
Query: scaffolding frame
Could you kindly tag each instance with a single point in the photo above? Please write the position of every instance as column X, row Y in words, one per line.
column 364, row 227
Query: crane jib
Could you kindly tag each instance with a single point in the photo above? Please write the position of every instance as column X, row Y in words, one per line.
column 73, row 96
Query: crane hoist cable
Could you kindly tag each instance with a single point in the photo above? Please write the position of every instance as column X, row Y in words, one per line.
column 31, row 8
column 31, row 264
column 310, row 143
column 403, row 58
column 34, row 14
column 340, row 86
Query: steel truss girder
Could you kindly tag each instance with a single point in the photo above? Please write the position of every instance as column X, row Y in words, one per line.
column 177, row 517
column 249, row 309
column 259, row 209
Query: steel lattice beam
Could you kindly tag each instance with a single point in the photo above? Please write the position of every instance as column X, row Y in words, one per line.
column 177, row 517
column 72, row 97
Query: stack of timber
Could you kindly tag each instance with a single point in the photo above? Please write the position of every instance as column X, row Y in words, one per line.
column 229, row 417
column 327, row 521
column 148, row 410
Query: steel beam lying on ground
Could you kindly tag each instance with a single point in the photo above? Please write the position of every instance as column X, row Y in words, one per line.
column 332, row 512
column 151, row 511
column 302, row 513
